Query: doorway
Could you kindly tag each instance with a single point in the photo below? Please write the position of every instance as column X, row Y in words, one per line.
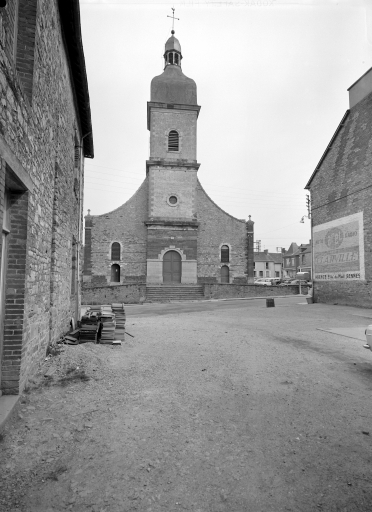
column 225, row 271
column 172, row 267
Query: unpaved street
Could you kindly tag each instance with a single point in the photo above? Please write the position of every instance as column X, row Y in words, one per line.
column 226, row 406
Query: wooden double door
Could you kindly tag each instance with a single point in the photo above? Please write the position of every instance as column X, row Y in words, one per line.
column 172, row 267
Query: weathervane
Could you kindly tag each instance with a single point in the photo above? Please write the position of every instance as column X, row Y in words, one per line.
column 173, row 18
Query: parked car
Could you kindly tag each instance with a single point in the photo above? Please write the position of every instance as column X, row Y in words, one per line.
column 296, row 282
column 368, row 333
column 267, row 281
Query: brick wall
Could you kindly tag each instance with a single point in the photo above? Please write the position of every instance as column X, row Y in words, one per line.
column 125, row 225
column 216, row 228
column 37, row 139
column 343, row 186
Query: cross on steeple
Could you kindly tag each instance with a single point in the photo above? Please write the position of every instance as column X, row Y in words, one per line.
column 173, row 18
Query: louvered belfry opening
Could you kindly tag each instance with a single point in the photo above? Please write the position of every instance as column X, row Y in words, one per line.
column 115, row 251
column 173, row 141
column 225, row 254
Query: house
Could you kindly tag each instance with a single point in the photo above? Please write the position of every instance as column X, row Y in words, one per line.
column 267, row 264
column 290, row 261
column 169, row 232
column 45, row 133
column 297, row 259
column 341, row 206
column 304, row 255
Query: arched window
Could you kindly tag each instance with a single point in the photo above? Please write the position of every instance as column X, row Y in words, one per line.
column 225, row 274
column 171, row 58
column 173, row 141
column 176, row 58
column 115, row 251
column 115, row 273
column 225, row 254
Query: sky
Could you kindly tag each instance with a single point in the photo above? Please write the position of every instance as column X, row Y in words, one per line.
column 272, row 79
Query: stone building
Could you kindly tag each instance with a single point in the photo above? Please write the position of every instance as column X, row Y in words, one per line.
column 45, row 133
column 341, row 206
column 170, row 231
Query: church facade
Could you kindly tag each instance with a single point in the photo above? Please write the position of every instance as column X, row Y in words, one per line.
column 169, row 231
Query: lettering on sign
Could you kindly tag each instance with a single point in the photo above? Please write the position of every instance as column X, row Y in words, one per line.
column 339, row 249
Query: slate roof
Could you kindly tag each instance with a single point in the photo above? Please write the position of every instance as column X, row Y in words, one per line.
column 275, row 257
column 69, row 11
column 293, row 249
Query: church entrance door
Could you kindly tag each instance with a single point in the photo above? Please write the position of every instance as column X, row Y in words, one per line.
column 171, row 267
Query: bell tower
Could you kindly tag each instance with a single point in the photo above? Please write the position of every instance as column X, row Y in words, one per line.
column 172, row 225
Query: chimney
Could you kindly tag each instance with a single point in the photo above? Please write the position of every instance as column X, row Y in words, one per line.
column 266, row 251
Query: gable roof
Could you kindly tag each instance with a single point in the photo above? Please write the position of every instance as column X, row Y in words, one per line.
column 293, row 249
column 268, row 256
column 69, row 11
column 342, row 123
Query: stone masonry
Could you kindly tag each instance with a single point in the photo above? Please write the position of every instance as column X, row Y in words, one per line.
column 44, row 113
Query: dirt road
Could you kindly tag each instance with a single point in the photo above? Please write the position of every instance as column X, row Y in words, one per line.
column 235, row 407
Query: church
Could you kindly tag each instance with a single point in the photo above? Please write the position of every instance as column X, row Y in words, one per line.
column 169, row 232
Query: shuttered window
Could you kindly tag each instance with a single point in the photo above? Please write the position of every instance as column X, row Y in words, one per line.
column 225, row 254
column 115, row 251
column 173, row 141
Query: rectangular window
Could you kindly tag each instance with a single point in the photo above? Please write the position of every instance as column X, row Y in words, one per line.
column 277, row 274
column 267, row 273
column 255, row 274
column 261, row 273
column 267, row 265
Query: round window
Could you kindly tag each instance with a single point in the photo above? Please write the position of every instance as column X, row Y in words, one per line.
column 173, row 200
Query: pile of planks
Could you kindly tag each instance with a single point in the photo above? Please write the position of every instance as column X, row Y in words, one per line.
column 108, row 325
column 118, row 309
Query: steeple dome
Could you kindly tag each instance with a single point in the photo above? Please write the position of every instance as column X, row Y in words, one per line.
column 172, row 53
column 172, row 86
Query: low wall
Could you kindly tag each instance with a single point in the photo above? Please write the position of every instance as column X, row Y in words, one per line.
column 127, row 293
column 353, row 293
column 225, row 291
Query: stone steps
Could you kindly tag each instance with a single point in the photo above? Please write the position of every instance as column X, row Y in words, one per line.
column 174, row 293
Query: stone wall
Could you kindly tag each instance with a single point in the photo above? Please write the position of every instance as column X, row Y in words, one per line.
column 38, row 130
column 127, row 293
column 341, row 187
column 162, row 122
column 125, row 225
column 217, row 228
column 226, row 291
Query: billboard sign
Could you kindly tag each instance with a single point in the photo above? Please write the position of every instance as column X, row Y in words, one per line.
column 339, row 249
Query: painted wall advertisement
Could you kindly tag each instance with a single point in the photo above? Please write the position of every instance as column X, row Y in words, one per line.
column 339, row 249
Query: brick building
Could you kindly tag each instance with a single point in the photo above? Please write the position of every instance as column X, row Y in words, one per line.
column 268, row 264
column 341, row 206
column 45, row 133
column 170, row 231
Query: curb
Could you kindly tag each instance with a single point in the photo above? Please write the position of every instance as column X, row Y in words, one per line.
column 217, row 300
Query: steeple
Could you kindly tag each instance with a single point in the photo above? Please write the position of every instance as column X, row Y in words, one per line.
column 172, row 86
